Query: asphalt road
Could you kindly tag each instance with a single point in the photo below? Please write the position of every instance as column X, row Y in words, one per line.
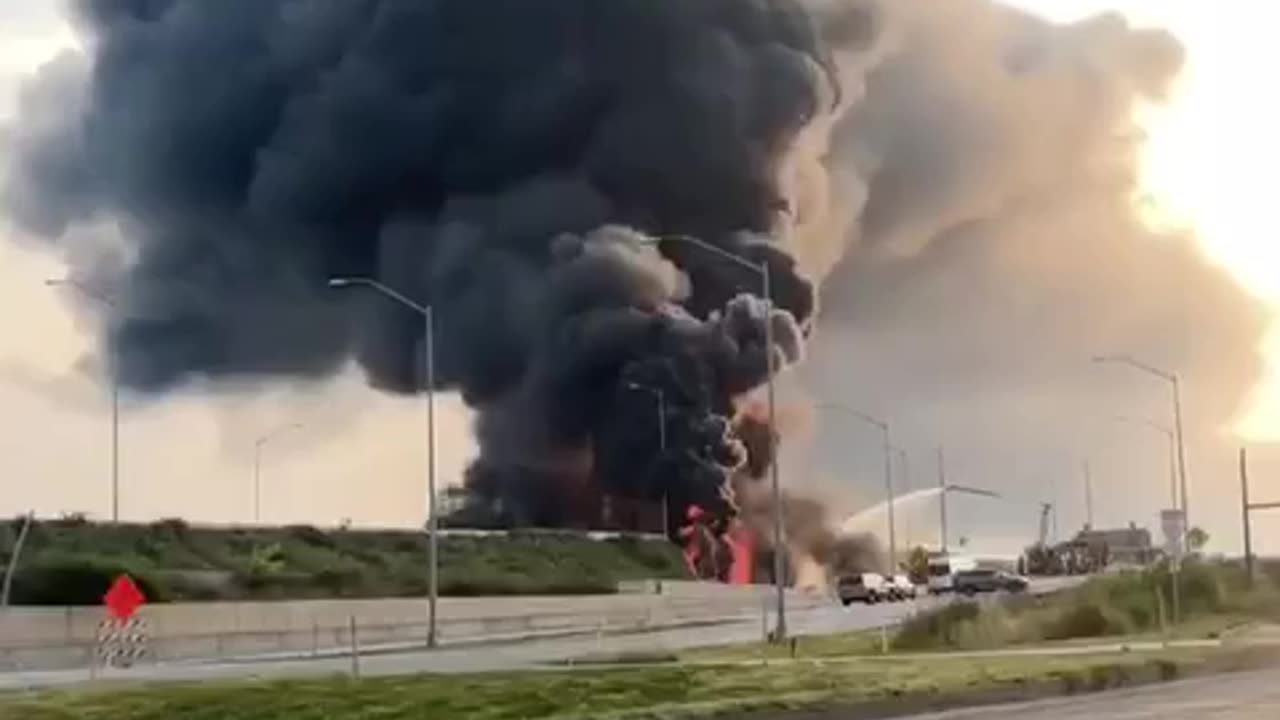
column 1243, row 696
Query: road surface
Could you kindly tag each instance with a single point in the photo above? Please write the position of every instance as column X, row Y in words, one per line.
column 1242, row 696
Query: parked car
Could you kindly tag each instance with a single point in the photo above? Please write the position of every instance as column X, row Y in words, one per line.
column 901, row 588
column 972, row 582
column 869, row 588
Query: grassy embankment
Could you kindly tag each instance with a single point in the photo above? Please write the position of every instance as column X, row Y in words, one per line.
column 1214, row 599
column 71, row 562
column 1132, row 607
column 649, row 692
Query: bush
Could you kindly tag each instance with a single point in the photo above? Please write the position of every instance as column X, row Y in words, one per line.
column 1104, row 606
column 312, row 536
column 339, row 582
column 65, row 581
column 941, row 628
column 1086, row 620
column 187, row 563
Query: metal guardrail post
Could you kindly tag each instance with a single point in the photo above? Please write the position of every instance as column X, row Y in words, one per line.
column 355, row 648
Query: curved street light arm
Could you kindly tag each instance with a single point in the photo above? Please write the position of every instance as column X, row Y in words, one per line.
column 1137, row 364
column 339, row 282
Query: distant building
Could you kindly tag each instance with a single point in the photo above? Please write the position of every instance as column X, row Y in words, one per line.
column 1131, row 545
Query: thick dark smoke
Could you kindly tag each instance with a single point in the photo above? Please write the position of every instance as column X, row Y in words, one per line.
column 514, row 164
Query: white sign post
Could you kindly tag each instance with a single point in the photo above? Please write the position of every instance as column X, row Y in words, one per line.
column 1173, row 523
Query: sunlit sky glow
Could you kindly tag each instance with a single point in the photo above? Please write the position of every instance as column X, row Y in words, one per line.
column 1212, row 152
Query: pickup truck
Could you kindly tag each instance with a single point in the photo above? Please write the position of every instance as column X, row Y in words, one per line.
column 972, row 582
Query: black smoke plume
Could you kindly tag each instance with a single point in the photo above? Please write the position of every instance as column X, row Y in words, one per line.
column 514, row 164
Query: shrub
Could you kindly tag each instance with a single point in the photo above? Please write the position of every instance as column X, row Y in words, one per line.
column 73, row 580
column 1086, row 620
column 174, row 526
column 184, row 563
column 937, row 628
column 312, row 536
column 339, row 582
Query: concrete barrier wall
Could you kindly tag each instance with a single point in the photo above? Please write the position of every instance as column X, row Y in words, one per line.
column 49, row 638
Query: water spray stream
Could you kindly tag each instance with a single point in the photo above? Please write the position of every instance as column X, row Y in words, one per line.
column 868, row 519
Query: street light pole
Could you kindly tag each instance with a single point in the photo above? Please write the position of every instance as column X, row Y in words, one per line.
column 1182, row 457
column 888, row 492
column 942, row 501
column 662, row 443
column 887, row 448
column 905, row 464
column 775, row 483
column 257, row 466
column 115, row 450
column 1175, row 385
column 1088, row 495
column 429, row 368
column 109, row 303
column 1173, row 451
column 1244, row 511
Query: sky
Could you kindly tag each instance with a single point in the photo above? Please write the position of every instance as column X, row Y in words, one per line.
column 193, row 455
column 1215, row 127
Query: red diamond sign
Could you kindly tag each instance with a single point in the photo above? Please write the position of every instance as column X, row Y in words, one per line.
column 123, row 599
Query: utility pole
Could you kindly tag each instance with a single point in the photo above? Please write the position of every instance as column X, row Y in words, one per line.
column 1053, row 515
column 1244, row 512
column 1088, row 496
column 942, row 500
column 905, row 466
column 888, row 493
column 1249, row 507
column 1182, row 451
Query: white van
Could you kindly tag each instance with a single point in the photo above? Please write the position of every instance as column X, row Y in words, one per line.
column 943, row 569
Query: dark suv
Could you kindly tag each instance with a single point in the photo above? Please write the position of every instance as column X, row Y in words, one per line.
column 972, row 582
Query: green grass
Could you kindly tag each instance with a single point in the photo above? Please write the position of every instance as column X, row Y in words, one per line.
column 667, row 692
column 816, row 647
column 69, row 562
column 1214, row 598
column 1113, row 609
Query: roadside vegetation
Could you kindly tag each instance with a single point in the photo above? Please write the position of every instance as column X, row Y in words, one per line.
column 1126, row 607
column 1214, row 597
column 649, row 692
column 72, row 562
